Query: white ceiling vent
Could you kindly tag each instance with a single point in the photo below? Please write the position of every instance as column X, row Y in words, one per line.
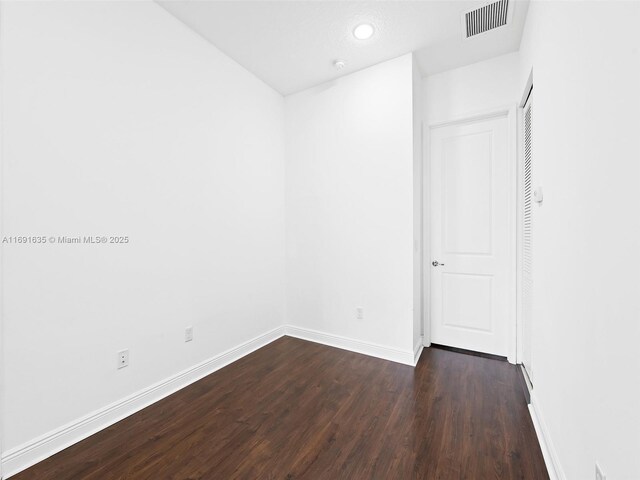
column 488, row 17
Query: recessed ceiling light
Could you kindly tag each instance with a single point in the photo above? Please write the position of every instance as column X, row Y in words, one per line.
column 363, row 31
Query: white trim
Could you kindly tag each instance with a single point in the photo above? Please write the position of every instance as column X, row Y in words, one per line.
column 345, row 343
column 519, row 241
column 512, row 227
column 426, row 236
column 417, row 350
column 34, row 451
column 527, row 88
column 546, row 444
column 527, row 380
column 510, row 112
column 2, row 216
column 472, row 116
column 40, row 448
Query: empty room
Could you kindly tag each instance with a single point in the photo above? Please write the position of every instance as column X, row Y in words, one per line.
column 320, row 240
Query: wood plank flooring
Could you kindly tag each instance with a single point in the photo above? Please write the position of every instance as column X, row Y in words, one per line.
column 299, row 410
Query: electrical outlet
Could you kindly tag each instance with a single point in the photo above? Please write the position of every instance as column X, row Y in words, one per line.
column 123, row 358
column 599, row 474
column 359, row 313
column 188, row 334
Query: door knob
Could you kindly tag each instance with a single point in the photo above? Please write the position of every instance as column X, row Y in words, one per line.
column 435, row 263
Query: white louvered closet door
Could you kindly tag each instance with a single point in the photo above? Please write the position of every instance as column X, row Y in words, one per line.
column 527, row 240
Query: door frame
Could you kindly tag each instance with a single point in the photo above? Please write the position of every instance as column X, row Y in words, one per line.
column 2, row 207
column 514, row 348
column 520, row 216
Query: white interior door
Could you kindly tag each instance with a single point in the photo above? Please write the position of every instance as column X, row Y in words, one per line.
column 470, row 235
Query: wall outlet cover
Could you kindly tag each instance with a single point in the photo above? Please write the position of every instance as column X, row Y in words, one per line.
column 123, row 358
column 188, row 334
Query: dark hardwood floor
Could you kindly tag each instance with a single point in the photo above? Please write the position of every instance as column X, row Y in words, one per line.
column 299, row 410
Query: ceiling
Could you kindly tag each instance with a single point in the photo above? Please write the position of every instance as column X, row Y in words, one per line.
column 292, row 45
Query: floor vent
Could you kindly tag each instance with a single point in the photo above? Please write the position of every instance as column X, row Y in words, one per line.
column 483, row 19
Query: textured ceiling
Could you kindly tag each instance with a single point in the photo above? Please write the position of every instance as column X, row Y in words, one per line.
column 292, row 45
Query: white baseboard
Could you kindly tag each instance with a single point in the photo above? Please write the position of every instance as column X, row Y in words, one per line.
column 546, row 444
column 417, row 351
column 34, row 451
column 358, row 346
column 22, row 457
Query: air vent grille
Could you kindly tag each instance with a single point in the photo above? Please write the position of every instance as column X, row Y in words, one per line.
column 486, row 18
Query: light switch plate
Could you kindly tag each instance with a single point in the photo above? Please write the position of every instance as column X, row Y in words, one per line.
column 538, row 195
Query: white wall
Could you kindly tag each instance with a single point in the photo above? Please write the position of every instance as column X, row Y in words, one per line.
column 586, row 257
column 118, row 120
column 586, row 67
column 349, row 206
column 472, row 89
